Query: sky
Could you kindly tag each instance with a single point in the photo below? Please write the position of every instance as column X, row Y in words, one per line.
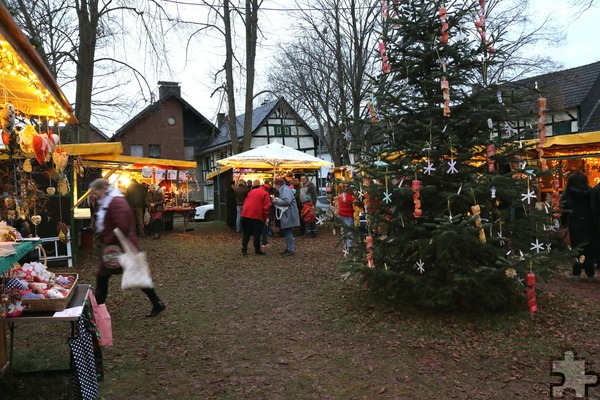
column 196, row 76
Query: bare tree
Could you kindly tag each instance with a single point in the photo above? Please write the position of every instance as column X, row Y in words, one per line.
column 72, row 50
column 326, row 71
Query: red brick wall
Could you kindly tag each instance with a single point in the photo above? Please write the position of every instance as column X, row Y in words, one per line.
column 154, row 129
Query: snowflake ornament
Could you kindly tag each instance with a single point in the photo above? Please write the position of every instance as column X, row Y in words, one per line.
column 530, row 195
column 537, row 246
column 452, row 167
column 346, row 252
column 387, row 197
column 320, row 220
column 419, row 265
column 429, row 168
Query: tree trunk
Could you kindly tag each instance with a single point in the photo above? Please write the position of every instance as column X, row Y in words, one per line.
column 87, row 12
column 251, row 31
column 229, row 78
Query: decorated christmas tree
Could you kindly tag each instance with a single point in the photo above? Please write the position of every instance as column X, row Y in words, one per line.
column 455, row 218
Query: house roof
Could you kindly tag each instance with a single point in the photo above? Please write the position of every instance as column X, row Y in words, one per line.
column 259, row 115
column 151, row 109
column 563, row 89
column 577, row 87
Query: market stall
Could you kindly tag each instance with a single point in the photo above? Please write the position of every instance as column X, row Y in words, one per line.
column 34, row 183
column 176, row 177
column 263, row 163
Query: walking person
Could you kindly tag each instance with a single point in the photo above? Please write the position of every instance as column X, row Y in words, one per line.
column 113, row 211
column 241, row 191
column 576, row 200
column 308, row 192
column 136, row 197
column 287, row 213
column 255, row 214
column 155, row 201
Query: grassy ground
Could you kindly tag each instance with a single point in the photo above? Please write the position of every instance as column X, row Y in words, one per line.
column 291, row 328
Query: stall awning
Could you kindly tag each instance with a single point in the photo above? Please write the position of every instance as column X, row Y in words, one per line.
column 108, row 149
column 575, row 145
column 217, row 172
column 99, row 161
column 26, row 81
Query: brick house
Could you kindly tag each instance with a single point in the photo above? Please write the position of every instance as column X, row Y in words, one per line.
column 170, row 128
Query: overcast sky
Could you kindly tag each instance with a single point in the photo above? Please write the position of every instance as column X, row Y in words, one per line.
column 197, row 75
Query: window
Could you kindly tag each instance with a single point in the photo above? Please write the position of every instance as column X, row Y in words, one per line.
column 136, row 150
column 283, row 130
column 188, row 152
column 154, row 150
column 561, row 128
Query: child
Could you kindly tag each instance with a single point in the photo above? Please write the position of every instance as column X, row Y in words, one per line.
column 308, row 216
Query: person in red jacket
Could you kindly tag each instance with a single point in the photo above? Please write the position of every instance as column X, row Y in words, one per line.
column 255, row 214
column 114, row 212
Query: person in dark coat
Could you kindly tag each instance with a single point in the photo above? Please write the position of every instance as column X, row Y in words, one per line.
column 576, row 201
column 136, row 197
column 113, row 211
column 231, row 206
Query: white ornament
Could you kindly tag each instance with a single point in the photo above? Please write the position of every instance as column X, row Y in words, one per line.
column 420, row 265
column 537, row 246
column 320, row 220
column 387, row 197
column 452, row 167
column 429, row 168
column 530, row 195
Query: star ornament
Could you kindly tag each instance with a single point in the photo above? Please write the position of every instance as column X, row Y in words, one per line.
column 537, row 246
column 419, row 265
column 320, row 220
column 510, row 272
column 452, row 167
column 387, row 197
column 530, row 195
column 429, row 168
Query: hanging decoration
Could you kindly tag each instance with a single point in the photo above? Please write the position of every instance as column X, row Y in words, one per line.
column 541, row 125
column 387, row 195
column 369, row 248
column 476, row 210
column 443, row 14
column 445, row 85
column 386, row 67
column 416, row 188
column 7, row 117
column 26, row 139
column 530, row 195
column 530, row 292
column 60, row 159
column 420, row 266
column 429, row 168
column 490, row 152
column 372, row 112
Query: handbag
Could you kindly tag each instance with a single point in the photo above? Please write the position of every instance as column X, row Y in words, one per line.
column 85, row 383
column 279, row 210
column 136, row 272
column 103, row 322
column 110, row 256
column 147, row 217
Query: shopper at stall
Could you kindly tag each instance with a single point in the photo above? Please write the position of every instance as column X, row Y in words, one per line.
column 308, row 192
column 287, row 213
column 136, row 197
column 155, row 201
column 576, row 201
column 241, row 191
column 113, row 211
column 255, row 214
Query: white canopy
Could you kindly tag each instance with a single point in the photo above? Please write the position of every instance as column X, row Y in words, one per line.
column 274, row 156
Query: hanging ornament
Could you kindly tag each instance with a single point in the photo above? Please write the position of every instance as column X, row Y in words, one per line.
column 541, row 125
column 60, row 159
column 555, row 193
column 416, row 188
column 26, row 139
column 372, row 112
column 387, row 195
column 386, row 67
column 445, row 85
column 443, row 14
column 419, row 265
column 369, row 248
column 50, row 190
column 476, row 210
column 429, row 168
column 490, row 151
column 530, row 291
column 537, row 246
column 7, row 116
column 63, row 231
column 510, row 273
column 530, row 195
column 36, row 219
column 41, row 147
column 63, row 186
column 493, row 192
column 27, row 165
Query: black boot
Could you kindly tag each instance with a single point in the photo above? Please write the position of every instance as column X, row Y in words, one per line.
column 157, row 305
column 156, row 309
